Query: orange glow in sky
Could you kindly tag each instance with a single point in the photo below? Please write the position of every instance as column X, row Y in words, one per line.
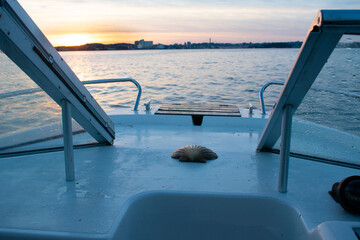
column 72, row 22
column 76, row 39
column 72, row 39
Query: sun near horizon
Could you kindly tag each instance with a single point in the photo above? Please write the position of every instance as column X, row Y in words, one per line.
column 64, row 39
column 72, row 39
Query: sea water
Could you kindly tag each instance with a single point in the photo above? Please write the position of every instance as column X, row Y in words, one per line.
column 233, row 76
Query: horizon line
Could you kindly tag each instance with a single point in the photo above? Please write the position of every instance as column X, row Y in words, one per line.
column 180, row 43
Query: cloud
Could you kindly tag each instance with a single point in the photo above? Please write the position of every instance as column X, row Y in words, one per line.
column 276, row 19
column 274, row 4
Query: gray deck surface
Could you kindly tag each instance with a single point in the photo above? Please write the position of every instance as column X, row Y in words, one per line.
column 35, row 195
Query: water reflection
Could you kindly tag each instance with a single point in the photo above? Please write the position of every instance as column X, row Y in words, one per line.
column 228, row 76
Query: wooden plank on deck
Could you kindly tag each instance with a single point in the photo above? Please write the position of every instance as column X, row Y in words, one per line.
column 204, row 109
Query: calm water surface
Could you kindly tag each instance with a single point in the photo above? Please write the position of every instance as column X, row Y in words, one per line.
column 226, row 76
column 211, row 75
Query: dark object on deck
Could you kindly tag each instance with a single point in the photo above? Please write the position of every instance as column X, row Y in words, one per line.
column 194, row 153
column 347, row 194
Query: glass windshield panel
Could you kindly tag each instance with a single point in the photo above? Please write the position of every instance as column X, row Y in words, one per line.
column 327, row 123
column 30, row 119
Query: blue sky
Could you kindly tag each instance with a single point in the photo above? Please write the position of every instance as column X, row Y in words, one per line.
column 109, row 21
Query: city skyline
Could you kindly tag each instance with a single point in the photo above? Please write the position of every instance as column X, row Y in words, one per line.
column 70, row 22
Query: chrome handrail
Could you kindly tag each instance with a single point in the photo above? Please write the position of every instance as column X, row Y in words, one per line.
column 119, row 80
column 330, row 90
column 19, row 92
column 98, row 81
column 261, row 94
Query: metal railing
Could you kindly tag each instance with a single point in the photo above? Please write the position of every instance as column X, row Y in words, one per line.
column 261, row 94
column 99, row 81
column 119, row 80
column 330, row 90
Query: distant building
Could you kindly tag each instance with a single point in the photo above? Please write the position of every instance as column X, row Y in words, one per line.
column 144, row 44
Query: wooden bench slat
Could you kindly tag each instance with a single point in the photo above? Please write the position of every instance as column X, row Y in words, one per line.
column 205, row 109
column 201, row 109
column 199, row 113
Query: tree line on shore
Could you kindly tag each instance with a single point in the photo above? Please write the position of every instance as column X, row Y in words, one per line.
column 129, row 46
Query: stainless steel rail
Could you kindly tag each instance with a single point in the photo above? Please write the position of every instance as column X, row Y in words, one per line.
column 330, row 90
column 99, row 81
column 119, row 80
column 20, row 92
column 261, row 94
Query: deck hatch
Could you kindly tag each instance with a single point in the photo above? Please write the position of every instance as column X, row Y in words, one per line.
column 324, row 34
column 26, row 46
column 24, row 43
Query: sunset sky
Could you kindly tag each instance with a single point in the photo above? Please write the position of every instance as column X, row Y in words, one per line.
column 75, row 22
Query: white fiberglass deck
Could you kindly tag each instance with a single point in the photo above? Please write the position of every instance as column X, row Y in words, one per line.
column 35, row 196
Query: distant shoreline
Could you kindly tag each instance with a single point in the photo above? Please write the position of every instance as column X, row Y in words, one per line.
column 129, row 46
